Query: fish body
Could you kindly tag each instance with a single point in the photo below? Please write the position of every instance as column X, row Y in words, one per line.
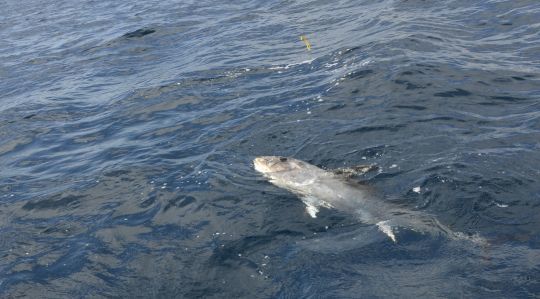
column 320, row 188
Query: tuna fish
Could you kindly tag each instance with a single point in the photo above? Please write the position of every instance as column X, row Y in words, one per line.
column 319, row 188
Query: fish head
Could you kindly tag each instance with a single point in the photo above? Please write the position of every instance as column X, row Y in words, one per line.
column 286, row 172
column 276, row 164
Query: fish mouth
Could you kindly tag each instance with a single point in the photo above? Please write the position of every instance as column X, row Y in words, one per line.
column 272, row 164
column 261, row 164
column 267, row 164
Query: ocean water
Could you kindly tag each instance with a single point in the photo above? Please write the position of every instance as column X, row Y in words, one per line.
column 127, row 132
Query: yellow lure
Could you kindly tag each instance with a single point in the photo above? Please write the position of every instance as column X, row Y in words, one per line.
column 306, row 42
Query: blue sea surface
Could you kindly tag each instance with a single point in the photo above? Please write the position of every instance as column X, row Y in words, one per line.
column 128, row 130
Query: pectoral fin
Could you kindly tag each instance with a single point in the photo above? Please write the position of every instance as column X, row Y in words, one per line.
column 313, row 204
column 385, row 227
column 312, row 210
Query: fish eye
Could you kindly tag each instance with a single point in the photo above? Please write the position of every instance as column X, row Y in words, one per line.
column 282, row 159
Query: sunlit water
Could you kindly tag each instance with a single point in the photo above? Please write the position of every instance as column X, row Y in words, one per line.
column 127, row 131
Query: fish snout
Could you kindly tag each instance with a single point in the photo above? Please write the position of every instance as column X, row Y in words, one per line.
column 273, row 164
column 261, row 164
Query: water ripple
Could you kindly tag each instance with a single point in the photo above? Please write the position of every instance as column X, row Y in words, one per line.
column 127, row 133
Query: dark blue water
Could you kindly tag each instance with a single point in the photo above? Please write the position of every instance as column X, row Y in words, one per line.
column 127, row 131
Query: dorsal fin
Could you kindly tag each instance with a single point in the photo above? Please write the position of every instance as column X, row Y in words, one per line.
column 349, row 172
